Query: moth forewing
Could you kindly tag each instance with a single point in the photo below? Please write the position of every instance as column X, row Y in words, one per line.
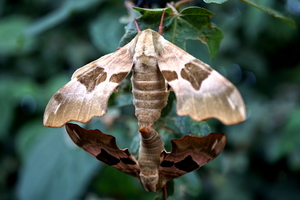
column 87, row 94
column 201, row 92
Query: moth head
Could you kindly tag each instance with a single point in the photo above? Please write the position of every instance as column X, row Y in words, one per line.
column 149, row 182
column 148, row 47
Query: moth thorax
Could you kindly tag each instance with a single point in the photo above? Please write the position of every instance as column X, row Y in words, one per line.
column 150, row 93
column 145, row 62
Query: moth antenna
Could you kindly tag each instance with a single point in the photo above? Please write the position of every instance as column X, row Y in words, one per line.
column 160, row 28
column 137, row 25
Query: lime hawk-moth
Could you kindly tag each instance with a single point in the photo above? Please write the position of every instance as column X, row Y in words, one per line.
column 157, row 65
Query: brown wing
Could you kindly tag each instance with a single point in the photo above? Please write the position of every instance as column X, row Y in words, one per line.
column 87, row 94
column 104, row 148
column 201, row 92
column 190, row 153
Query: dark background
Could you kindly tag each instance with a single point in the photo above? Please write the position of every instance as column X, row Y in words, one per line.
column 43, row 42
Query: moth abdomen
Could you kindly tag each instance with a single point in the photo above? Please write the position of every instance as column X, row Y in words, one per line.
column 151, row 145
column 150, row 93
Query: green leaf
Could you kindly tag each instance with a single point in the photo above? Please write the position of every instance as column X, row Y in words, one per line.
column 135, row 144
column 190, row 183
column 166, row 110
column 52, row 19
column 191, row 23
column 53, row 167
column 123, row 99
column 215, row 1
column 108, row 182
column 150, row 19
column 189, row 126
column 106, row 33
column 7, row 109
column 13, row 40
column 289, row 141
column 199, row 21
column 169, row 189
column 13, row 90
column 271, row 12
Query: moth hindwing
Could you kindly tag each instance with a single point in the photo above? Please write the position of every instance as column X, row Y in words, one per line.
column 188, row 154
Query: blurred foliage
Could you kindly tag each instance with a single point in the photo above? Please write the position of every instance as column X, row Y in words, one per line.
column 43, row 42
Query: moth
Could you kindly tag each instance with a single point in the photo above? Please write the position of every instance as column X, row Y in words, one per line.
column 158, row 66
column 188, row 154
